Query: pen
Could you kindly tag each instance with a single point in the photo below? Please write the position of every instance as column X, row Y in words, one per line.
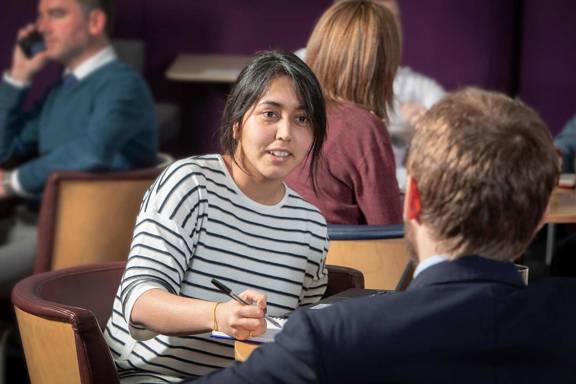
column 229, row 292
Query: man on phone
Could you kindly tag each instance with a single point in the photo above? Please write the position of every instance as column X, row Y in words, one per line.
column 481, row 168
column 99, row 116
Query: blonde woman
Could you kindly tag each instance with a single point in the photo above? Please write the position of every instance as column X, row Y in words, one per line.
column 354, row 51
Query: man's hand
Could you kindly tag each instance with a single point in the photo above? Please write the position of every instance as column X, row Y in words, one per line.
column 24, row 69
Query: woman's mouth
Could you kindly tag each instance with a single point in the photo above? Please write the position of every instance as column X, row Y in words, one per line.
column 279, row 154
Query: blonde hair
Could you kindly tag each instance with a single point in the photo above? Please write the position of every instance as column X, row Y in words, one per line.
column 354, row 51
column 485, row 166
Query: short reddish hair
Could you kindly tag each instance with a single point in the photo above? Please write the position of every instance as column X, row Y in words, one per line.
column 485, row 166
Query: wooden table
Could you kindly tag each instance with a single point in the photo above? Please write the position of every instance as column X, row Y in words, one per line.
column 243, row 350
column 207, row 68
column 562, row 206
column 562, row 210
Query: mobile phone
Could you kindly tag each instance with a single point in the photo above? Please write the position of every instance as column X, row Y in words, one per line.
column 32, row 44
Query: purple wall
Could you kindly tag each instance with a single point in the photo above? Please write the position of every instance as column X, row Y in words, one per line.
column 548, row 65
column 15, row 14
column 216, row 26
column 472, row 42
column 504, row 45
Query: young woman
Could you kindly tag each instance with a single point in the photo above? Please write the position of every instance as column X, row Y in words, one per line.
column 354, row 51
column 229, row 217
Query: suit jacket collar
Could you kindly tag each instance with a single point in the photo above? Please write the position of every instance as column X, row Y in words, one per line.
column 468, row 269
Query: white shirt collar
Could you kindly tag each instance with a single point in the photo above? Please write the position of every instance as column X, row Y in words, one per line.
column 428, row 262
column 103, row 57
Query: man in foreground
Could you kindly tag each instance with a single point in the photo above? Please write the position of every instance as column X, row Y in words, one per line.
column 480, row 172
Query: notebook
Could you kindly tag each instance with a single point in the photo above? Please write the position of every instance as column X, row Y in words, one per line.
column 267, row 337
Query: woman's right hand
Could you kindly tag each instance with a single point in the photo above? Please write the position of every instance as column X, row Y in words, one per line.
column 243, row 321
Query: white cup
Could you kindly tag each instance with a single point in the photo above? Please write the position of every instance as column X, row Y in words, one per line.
column 523, row 271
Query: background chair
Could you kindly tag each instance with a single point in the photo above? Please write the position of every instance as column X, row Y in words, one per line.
column 60, row 316
column 85, row 217
column 88, row 217
column 379, row 252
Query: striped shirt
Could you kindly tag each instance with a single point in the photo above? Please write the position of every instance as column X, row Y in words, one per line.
column 195, row 224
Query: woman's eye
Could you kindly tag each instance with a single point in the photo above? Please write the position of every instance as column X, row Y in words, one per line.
column 302, row 119
column 269, row 115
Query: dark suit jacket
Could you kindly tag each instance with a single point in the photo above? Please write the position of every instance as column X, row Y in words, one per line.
column 466, row 321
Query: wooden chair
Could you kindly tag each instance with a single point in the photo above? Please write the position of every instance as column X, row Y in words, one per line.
column 88, row 217
column 61, row 315
column 379, row 252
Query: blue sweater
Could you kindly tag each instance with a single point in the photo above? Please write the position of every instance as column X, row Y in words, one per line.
column 104, row 122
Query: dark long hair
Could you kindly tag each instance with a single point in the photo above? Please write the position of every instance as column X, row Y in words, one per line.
column 255, row 79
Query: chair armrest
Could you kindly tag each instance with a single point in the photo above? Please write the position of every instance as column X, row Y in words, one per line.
column 342, row 278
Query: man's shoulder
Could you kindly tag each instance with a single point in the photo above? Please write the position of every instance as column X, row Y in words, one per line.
column 117, row 79
column 117, row 73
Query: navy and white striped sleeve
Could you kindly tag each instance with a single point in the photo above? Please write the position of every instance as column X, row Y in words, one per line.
column 161, row 246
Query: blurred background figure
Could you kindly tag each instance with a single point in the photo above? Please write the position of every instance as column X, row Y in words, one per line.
column 414, row 93
column 99, row 116
column 354, row 51
column 566, row 144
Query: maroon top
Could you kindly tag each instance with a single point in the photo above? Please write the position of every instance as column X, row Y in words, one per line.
column 356, row 176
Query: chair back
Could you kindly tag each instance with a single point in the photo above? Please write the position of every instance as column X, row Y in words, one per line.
column 61, row 315
column 89, row 217
column 379, row 252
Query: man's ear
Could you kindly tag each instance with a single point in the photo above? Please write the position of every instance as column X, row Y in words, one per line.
column 412, row 202
column 97, row 22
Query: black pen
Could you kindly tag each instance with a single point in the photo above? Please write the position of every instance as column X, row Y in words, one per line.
column 229, row 292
